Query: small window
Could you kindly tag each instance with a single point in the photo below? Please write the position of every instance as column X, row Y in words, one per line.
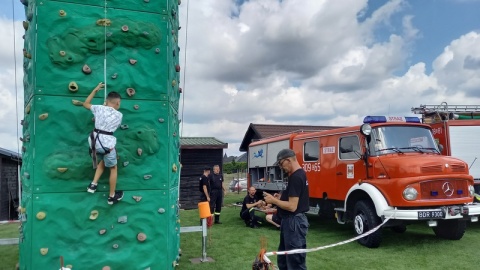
column 311, row 151
column 349, row 148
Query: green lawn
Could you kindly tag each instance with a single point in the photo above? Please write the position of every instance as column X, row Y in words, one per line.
column 232, row 245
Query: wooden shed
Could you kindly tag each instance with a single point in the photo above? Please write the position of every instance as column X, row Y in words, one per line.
column 195, row 154
column 10, row 163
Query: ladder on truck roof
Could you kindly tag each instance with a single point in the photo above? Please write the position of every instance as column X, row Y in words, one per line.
column 445, row 108
column 434, row 113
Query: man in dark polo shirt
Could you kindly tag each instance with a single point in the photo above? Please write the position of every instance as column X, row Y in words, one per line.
column 216, row 195
column 291, row 208
column 204, row 186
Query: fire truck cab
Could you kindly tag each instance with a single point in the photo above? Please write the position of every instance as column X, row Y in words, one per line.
column 389, row 167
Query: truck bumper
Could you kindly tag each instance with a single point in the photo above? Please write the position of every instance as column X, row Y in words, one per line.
column 467, row 211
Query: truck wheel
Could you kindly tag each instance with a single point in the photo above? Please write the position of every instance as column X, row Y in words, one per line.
column 365, row 219
column 451, row 229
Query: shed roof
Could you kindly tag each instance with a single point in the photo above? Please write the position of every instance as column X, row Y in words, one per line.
column 262, row 131
column 7, row 153
column 202, row 143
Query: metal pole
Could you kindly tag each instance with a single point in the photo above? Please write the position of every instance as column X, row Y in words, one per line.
column 204, row 240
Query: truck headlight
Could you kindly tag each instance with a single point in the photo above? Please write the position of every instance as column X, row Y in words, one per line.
column 471, row 190
column 410, row 193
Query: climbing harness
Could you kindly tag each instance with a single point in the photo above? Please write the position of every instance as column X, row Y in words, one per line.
column 93, row 142
column 266, row 261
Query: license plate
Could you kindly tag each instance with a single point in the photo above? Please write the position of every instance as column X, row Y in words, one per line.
column 430, row 214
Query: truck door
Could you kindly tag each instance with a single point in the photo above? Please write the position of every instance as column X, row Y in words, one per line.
column 349, row 166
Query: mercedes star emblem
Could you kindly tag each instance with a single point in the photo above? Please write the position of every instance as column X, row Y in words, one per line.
column 447, row 189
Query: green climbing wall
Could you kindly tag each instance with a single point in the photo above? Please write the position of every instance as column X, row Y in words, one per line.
column 64, row 54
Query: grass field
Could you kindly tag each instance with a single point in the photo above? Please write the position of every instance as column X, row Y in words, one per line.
column 232, row 245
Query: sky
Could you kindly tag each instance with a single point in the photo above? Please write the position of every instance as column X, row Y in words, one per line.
column 291, row 62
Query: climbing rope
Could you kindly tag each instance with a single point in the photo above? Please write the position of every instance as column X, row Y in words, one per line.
column 184, row 69
column 296, row 251
column 105, row 52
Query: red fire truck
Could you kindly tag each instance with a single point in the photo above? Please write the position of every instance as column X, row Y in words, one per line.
column 388, row 167
column 456, row 129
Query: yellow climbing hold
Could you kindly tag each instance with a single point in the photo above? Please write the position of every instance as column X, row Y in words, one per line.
column 73, row 87
column 43, row 116
column 93, row 215
column 174, row 167
column 62, row 170
column 77, row 102
column 62, row 13
column 27, row 109
column 104, row 22
column 44, row 251
column 41, row 215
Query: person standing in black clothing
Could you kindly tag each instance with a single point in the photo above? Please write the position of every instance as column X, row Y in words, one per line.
column 204, row 186
column 291, row 208
column 216, row 196
column 248, row 211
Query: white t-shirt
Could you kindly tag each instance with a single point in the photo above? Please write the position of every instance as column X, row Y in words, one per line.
column 106, row 119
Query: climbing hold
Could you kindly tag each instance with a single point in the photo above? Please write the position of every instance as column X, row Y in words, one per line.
column 62, row 53
column 157, row 50
column 177, row 68
column 130, row 91
column 124, row 126
column 132, row 61
column 23, row 210
column 139, row 151
column 26, row 54
column 62, row 13
column 43, row 116
column 106, row 267
column 125, row 164
column 145, row 33
column 114, row 76
column 44, row 251
column 68, row 266
column 180, row 90
column 41, row 215
column 125, row 28
column 174, row 83
column 86, row 69
column 26, row 175
column 102, row 231
column 109, row 34
column 161, row 210
column 147, row 176
column 174, row 134
column 62, row 170
column 136, row 107
column 146, row 1
column 122, row 219
column 77, row 102
column 161, row 120
column 25, row 25
column 173, row 32
column 104, row 22
column 141, row 237
column 93, row 215
column 115, row 246
column 137, row 198
column 27, row 109
column 27, row 138
column 73, row 87
column 174, row 167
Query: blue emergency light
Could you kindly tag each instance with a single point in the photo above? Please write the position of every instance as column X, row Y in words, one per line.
column 383, row 119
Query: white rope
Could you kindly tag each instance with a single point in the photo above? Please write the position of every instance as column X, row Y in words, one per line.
column 296, row 251
column 105, row 53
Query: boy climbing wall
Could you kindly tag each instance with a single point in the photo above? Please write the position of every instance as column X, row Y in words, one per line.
column 102, row 142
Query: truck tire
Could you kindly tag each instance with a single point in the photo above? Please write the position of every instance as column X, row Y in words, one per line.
column 365, row 218
column 451, row 229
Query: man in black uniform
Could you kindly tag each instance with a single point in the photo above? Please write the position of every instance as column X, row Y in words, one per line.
column 248, row 212
column 291, row 208
column 216, row 196
column 204, row 186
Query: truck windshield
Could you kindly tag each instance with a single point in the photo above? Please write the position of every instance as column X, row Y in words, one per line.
column 401, row 139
